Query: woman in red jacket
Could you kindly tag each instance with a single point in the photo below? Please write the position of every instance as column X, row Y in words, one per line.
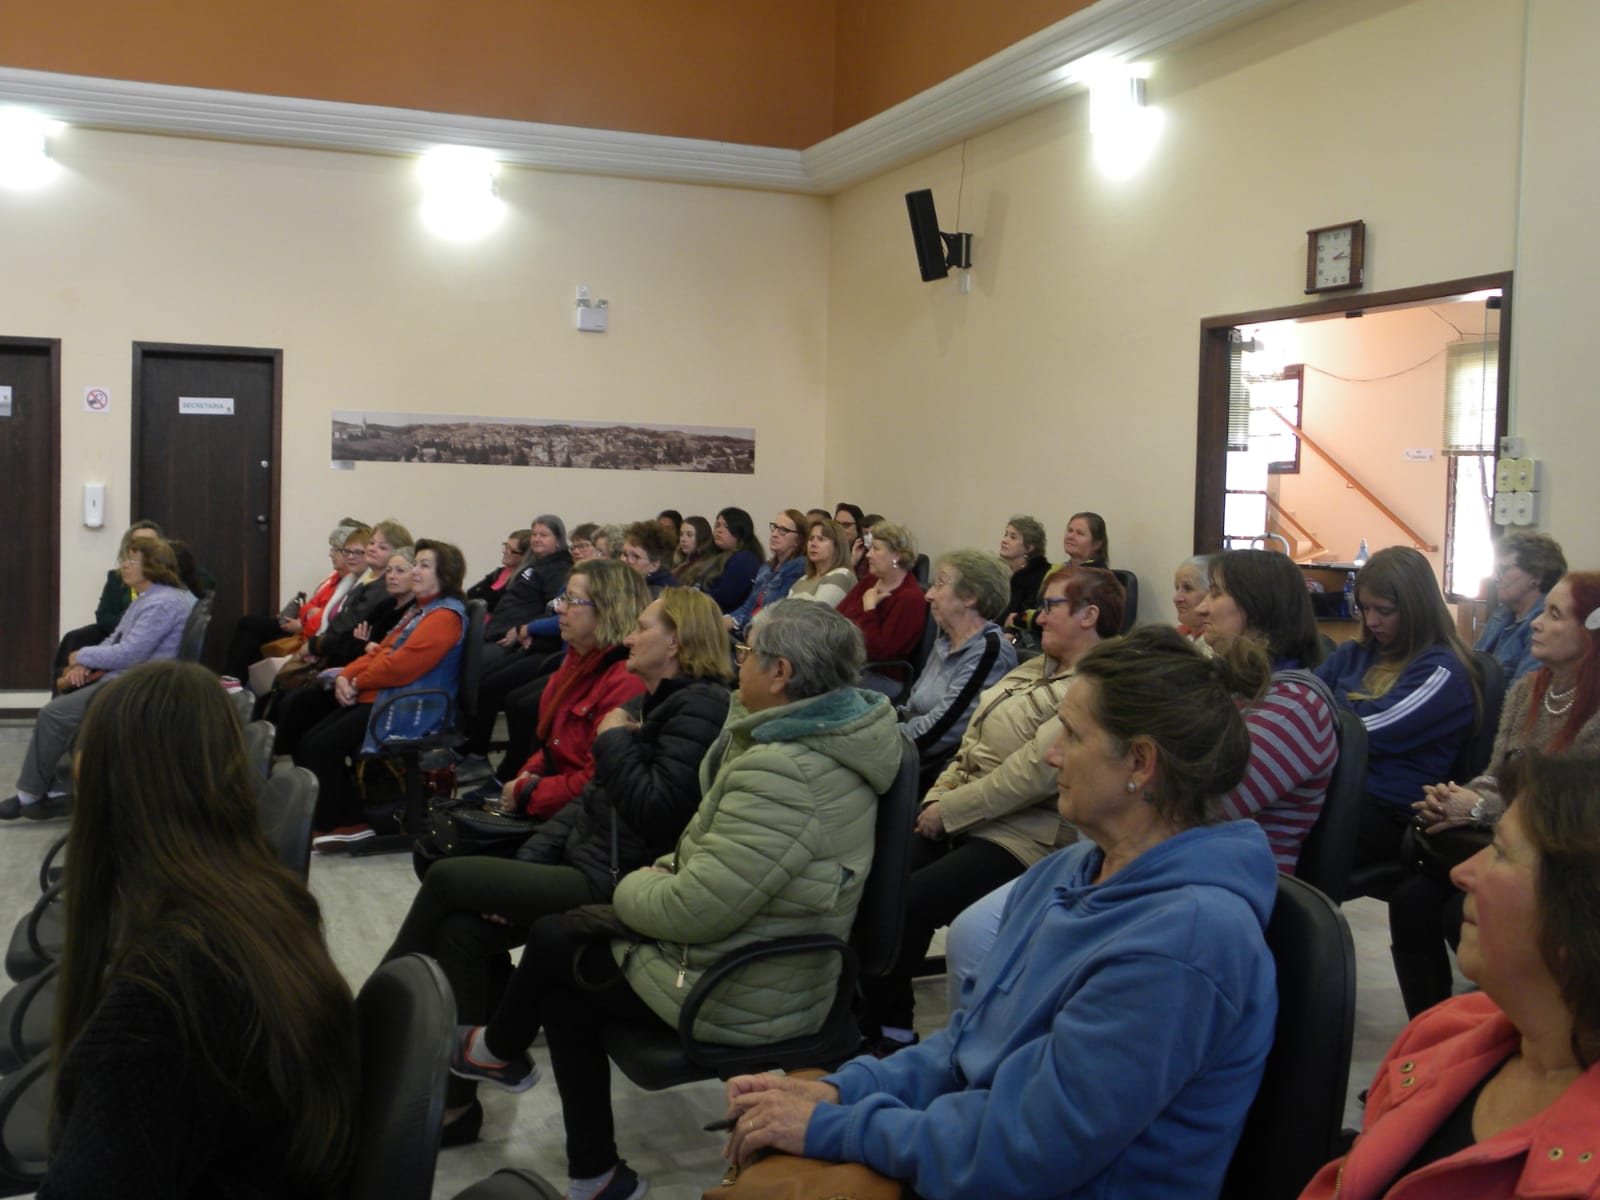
column 602, row 602
column 887, row 606
column 1497, row 1093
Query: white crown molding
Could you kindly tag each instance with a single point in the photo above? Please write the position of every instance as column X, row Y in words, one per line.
column 1024, row 76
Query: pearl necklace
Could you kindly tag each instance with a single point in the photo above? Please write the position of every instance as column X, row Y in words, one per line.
column 1557, row 704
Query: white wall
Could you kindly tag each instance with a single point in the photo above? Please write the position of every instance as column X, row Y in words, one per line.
column 1068, row 378
column 718, row 317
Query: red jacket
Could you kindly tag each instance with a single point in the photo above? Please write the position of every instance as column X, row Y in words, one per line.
column 892, row 629
column 1429, row 1070
column 581, row 692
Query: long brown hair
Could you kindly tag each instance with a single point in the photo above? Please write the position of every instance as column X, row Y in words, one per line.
column 1585, row 587
column 1403, row 577
column 167, row 868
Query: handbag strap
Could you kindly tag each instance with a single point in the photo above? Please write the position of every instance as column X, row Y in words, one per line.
column 969, row 691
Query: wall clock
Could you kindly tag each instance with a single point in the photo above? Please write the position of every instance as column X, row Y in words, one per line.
column 1335, row 257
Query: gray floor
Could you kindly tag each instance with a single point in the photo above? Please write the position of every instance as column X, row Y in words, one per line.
column 363, row 901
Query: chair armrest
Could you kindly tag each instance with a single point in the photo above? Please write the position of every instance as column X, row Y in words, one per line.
column 708, row 1055
column 49, row 861
column 26, row 1085
column 46, row 898
column 27, row 993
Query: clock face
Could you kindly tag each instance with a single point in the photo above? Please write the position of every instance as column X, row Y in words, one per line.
column 1334, row 257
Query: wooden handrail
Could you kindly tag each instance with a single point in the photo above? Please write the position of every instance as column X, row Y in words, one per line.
column 1283, row 515
column 1417, row 539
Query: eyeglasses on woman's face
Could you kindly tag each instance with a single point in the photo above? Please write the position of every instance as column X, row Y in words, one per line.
column 741, row 652
column 776, row 528
column 565, row 603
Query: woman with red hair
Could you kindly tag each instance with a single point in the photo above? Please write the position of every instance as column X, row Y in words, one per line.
column 1551, row 709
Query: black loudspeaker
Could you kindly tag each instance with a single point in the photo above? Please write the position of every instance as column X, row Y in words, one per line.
column 936, row 252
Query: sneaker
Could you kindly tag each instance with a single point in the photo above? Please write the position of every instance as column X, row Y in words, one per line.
column 624, row 1184
column 518, row 1075
column 48, row 808
column 340, row 838
column 10, row 808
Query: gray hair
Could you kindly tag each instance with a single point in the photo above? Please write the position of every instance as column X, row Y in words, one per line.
column 341, row 534
column 824, row 649
column 614, row 537
column 983, row 577
column 1201, row 563
column 555, row 525
column 409, row 553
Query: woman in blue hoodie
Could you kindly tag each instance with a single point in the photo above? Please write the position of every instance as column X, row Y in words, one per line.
column 1112, row 1041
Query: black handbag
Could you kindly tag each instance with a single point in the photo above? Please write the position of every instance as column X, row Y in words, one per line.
column 463, row 828
column 1436, row 854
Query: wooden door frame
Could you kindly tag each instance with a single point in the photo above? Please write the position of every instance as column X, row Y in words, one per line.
column 1211, row 436
column 187, row 350
column 52, row 347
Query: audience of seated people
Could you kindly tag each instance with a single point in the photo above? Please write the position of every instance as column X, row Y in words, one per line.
column 728, row 574
column 695, row 547
column 1022, row 549
column 647, row 547
column 786, row 539
column 115, row 596
column 492, row 586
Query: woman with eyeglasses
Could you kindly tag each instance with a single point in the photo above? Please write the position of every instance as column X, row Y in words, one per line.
column 991, row 813
column 1409, row 677
column 736, row 557
column 647, row 547
column 492, row 586
column 599, row 608
column 787, row 540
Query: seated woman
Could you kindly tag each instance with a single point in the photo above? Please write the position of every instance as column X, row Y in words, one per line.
column 423, row 651
column 778, row 574
column 1190, row 582
column 695, row 548
column 991, row 814
column 887, row 606
column 729, row 573
column 853, row 521
column 205, row 1044
column 1409, row 678
column 336, row 643
column 646, row 785
column 150, row 628
column 1552, row 709
column 1527, row 566
column 1261, row 595
column 1022, row 549
column 1112, row 1042
column 781, row 844
column 647, row 548
column 968, row 594
column 301, row 618
column 1085, row 541
column 829, row 577
column 115, row 597
column 1495, row 1093
column 492, row 586
column 600, row 607
column 582, row 545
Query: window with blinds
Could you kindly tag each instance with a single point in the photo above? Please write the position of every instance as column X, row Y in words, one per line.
column 1472, row 372
column 1472, row 376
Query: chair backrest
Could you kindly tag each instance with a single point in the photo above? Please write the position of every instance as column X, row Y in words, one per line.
column 930, row 634
column 471, row 662
column 193, row 639
column 1130, row 600
column 920, row 571
column 288, row 804
column 258, row 739
column 1293, row 1125
column 1479, row 747
column 881, row 915
column 406, row 1014
column 1330, row 847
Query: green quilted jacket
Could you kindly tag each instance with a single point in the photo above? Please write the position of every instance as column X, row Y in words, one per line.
column 780, row 845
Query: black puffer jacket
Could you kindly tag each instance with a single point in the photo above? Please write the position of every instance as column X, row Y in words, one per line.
column 529, row 591
column 647, row 780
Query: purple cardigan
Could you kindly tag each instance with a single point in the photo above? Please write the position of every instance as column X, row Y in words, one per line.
column 150, row 629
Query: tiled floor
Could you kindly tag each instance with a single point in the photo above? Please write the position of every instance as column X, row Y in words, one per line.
column 363, row 901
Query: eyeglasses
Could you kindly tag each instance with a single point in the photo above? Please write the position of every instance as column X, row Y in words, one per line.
column 353, row 551
column 741, row 652
column 563, row 603
column 776, row 528
column 1048, row 606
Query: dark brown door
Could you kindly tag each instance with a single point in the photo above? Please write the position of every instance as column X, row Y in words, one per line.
column 30, row 465
column 205, row 465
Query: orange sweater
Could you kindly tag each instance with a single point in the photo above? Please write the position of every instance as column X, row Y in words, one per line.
column 387, row 666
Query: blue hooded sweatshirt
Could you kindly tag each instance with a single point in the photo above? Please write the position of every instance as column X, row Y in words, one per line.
column 1109, row 1045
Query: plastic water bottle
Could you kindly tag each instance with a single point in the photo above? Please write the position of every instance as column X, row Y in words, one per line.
column 1350, row 595
column 1362, row 554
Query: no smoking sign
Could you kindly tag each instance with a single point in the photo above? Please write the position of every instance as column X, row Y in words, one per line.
column 96, row 400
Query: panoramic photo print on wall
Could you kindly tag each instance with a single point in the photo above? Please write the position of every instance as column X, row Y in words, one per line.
column 536, row 442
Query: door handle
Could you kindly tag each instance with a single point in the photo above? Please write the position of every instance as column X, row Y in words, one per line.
column 262, row 522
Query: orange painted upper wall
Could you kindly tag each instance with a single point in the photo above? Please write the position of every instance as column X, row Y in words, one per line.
column 750, row 71
column 727, row 70
column 889, row 50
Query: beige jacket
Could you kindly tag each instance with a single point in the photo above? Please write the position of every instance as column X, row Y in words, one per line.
column 998, row 787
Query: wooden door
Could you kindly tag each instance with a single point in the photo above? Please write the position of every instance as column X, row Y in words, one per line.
column 206, row 437
column 30, row 465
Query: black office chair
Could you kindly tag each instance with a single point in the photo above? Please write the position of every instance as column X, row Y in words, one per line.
column 193, row 639
column 36, row 939
column 258, row 736
column 920, row 571
column 656, row 1059
column 288, row 805
column 907, row 669
column 24, row 1114
column 511, row 1183
column 27, row 1015
column 1330, row 847
column 1130, row 599
column 406, row 1015
column 1292, row 1128
column 414, row 754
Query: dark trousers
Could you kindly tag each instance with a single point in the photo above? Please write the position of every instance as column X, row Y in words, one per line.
column 545, row 992
column 299, row 711
column 504, row 669
column 522, row 723
column 325, row 751
column 244, row 648
column 1424, row 914
column 1383, row 825
column 946, row 876
column 446, row 921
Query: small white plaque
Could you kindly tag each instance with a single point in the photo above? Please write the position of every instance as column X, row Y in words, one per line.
column 1415, row 455
column 96, row 400
column 5, row 401
column 206, row 406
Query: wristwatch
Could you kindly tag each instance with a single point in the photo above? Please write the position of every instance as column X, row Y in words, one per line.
column 1475, row 813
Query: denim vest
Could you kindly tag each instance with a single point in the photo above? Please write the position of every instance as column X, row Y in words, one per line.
column 424, row 715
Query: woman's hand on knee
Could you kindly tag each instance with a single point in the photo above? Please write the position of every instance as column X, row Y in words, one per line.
column 771, row 1112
